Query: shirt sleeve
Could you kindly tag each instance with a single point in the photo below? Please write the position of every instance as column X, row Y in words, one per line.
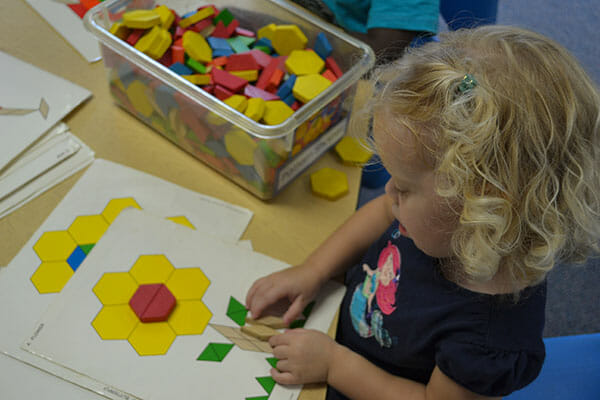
column 410, row 15
column 488, row 371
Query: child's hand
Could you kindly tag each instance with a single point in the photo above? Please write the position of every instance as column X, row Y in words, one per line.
column 304, row 356
column 297, row 285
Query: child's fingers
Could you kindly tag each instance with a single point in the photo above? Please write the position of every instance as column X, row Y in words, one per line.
column 263, row 298
column 283, row 378
column 294, row 310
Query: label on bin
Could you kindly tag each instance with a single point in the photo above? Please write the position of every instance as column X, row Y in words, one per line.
column 310, row 154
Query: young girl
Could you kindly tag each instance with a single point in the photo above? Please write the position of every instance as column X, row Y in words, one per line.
column 492, row 140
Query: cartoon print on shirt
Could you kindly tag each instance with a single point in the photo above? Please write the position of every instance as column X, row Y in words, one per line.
column 380, row 284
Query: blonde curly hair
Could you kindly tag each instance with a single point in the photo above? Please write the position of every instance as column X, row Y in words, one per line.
column 519, row 151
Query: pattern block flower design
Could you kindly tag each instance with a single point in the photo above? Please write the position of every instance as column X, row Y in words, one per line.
column 151, row 304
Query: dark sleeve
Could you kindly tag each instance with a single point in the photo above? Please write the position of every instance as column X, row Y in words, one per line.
column 488, row 371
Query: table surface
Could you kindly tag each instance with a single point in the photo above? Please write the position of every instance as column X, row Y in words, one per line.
column 287, row 227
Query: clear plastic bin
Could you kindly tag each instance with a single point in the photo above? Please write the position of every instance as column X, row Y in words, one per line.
column 261, row 158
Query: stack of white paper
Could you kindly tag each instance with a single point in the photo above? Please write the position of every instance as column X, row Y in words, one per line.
column 37, row 151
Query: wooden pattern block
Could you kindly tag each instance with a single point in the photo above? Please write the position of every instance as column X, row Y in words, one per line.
column 329, row 183
column 152, row 302
column 120, row 30
column 248, row 75
column 242, row 340
column 154, row 43
column 166, row 16
column 255, row 108
column 253, row 91
column 307, row 87
column 304, row 62
column 238, row 102
column 322, row 46
column 241, row 62
column 227, row 80
column 266, row 31
column 196, row 46
column 333, row 66
column 276, row 111
column 287, row 38
column 261, row 332
column 196, row 17
column 141, row 19
column 269, row 320
column 352, row 152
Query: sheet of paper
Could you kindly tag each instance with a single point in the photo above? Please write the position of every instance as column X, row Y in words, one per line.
column 88, row 328
column 56, row 156
column 53, row 254
column 69, row 24
column 22, row 381
column 31, row 102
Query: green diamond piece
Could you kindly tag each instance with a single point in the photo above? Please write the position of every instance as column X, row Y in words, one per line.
column 215, row 352
column 237, row 312
column 267, row 383
column 258, row 398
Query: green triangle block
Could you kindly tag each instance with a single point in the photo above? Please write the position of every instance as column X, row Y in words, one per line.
column 258, row 398
column 237, row 312
column 307, row 310
column 272, row 361
column 87, row 247
column 225, row 15
column 215, row 352
column 267, row 383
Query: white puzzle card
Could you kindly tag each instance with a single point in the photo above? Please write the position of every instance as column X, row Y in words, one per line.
column 157, row 313
column 57, row 155
column 66, row 17
column 55, row 252
column 31, row 102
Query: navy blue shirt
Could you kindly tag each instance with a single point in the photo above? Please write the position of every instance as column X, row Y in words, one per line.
column 402, row 314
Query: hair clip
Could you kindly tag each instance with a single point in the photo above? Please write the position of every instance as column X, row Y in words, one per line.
column 467, row 83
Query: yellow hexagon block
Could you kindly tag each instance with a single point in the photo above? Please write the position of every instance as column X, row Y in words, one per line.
column 137, row 93
column 152, row 339
column 286, row 38
column 307, row 87
column 304, row 62
column 115, row 288
column 190, row 317
column 88, row 229
column 276, row 111
column 115, row 206
column 115, row 322
column 255, row 108
column 188, row 283
column 240, row 146
column 182, row 220
column 141, row 19
column 54, row 246
column 237, row 101
column 329, row 183
column 352, row 151
column 155, row 268
column 51, row 277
